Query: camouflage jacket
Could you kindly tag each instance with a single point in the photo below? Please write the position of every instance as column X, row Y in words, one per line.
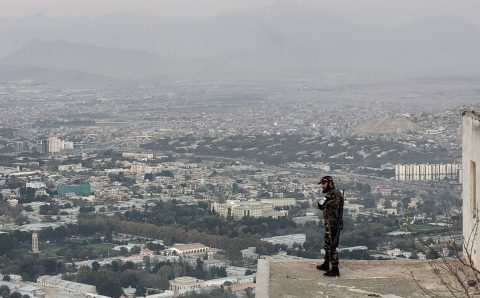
column 333, row 205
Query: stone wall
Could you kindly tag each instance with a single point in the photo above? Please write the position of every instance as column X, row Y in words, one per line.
column 471, row 183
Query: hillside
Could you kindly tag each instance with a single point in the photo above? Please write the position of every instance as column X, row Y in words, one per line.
column 396, row 125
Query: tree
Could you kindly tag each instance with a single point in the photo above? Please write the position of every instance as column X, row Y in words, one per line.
column 249, row 272
column 387, row 204
column 4, row 291
column 86, row 209
column 459, row 275
column 369, row 203
column 109, row 287
column 148, row 263
column 49, row 209
column 20, row 220
column 95, row 266
column 166, row 173
column 135, row 250
column 85, row 275
column 27, row 194
column 432, row 254
column 198, row 271
column 148, row 176
column 141, row 291
column 15, row 295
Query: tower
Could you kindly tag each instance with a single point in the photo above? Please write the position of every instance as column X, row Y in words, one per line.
column 35, row 243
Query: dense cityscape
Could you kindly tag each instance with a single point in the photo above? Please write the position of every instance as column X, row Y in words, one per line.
column 165, row 190
column 225, row 149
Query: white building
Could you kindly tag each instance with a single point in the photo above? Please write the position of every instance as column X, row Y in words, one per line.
column 164, row 294
column 264, row 208
column 250, row 253
column 138, row 156
column 353, row 209
column 471, row 193
column 57, row 283
column 426, row 172
column 207, row 264
column 189, row 249
column 66, row 145
column 54, row 145
column 287, row 240
column 185, row 284
column 394, row 252
column 128, row 246
column 13, row 202
column 137, row 168
column 35, row 184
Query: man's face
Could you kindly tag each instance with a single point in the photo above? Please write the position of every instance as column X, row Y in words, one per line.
column 324, row 185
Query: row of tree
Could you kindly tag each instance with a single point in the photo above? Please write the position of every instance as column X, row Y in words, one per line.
column 110, row 278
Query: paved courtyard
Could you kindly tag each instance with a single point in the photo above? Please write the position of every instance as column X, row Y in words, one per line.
column 300, row 278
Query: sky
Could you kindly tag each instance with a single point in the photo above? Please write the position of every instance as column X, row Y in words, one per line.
column 367, row 12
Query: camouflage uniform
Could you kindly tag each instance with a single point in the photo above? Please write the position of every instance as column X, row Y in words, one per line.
column 331, row 215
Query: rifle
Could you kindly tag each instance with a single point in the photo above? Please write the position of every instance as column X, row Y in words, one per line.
column 340, row 223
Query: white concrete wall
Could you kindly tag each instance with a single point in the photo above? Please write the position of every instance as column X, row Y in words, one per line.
column 471, row 152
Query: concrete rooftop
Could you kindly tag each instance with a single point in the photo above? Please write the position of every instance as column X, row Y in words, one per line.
column 300, row 278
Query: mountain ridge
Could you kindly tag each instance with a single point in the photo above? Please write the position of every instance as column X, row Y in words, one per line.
column 278, row 36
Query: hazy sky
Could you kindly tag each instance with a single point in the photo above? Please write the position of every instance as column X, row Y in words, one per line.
column 369, row 12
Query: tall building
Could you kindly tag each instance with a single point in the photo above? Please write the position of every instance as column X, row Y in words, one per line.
column 42, row 147
column 35, row 243
column 426, row 172
column 21, row 147
column 471, row 184
column 54, row 145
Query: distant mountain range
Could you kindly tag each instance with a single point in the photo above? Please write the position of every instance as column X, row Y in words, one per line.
column 49, row 59
column 279, row 38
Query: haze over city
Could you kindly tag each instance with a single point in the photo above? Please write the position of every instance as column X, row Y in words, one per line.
column 365, row 12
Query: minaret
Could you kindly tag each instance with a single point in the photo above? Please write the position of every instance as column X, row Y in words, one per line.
column 35, row 243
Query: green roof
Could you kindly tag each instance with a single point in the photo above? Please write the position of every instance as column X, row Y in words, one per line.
column 82, row 189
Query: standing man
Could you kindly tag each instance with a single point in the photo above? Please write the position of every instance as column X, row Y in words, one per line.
column 331, row 206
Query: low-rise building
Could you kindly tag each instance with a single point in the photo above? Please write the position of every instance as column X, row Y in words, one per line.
column 249, row 253
column 57, row 283
column 207, row 264
column 185, row 284
column 353, row 209
column 265, row 208
column 188, row 249
column 35, row 185
column 288, row 240
column 138, row 156
column 72, row 167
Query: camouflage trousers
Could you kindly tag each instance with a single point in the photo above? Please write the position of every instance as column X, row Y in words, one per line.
column 331, row 255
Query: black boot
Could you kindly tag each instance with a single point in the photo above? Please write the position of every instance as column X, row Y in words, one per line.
column 332, row 272
column 325, row 266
